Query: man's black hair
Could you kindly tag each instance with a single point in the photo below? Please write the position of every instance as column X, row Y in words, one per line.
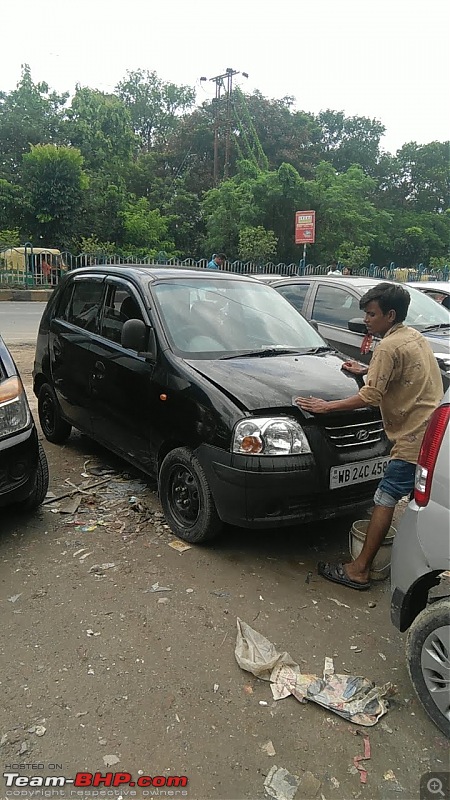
column 390, row 297
column 221, row 255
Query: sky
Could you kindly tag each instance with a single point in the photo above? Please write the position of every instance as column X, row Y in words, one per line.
column 382, row 59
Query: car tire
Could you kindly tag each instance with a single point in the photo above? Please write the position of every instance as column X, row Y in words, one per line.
column 41, row 484
column 428, row 660
column 186, row 498
column 54, row 427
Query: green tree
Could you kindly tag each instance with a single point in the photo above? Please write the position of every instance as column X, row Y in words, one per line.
column 145, row 229
column 350, row 140
column 9, row 238
column 12, row 202
column 154, row 105
column 352, row 256
column 99, row 125
column 55, row 182
column 257, row 244
column 30, row 114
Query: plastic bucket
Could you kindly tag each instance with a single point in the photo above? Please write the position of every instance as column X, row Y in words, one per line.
column 381, row 565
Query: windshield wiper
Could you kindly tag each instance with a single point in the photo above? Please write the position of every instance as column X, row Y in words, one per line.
column 437, row 327
column 322, row 349
column 269, row 351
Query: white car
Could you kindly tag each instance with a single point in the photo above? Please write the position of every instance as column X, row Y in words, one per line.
column 420, row 561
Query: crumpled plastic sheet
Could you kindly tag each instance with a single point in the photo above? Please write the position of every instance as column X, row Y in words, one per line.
column 352, row 697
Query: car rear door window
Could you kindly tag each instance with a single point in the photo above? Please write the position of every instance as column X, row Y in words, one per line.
column 84, row 304
column 335, row 306
column 295, row 293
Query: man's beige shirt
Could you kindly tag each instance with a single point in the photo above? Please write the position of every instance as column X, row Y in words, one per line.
column 404, row 380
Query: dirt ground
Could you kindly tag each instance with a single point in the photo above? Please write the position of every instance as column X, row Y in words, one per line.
column 109, row 667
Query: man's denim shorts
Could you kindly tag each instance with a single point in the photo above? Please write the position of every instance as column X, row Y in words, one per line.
column 397, row 482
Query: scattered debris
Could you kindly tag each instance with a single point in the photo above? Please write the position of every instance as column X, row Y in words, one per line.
column 81, row 489
column 70, row 506
column 263, row 703
column 335, row 783
column 215, row 688
column 15, row 597
column 177, row 544
column 248, row 690
column 371, row 604
column 389, row 776
column 91, row 632
column 382, row 656
column 109, row 761
column 163, row 601
column 221, row 594
column 101, row 567
column 386, row 727
column 86, row 528
column 280, row 784
column 352, row 697
column 357, row 759
column 40, row 730
column 338, row 602
column 155, row 587
column 268, row 748
column 23, row 748
column 308, row 577
column 309, row 785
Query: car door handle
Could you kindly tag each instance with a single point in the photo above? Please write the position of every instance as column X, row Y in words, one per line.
column 57, row 348
column 99, row 370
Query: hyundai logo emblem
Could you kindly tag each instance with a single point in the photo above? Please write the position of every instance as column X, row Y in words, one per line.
column 362, row 435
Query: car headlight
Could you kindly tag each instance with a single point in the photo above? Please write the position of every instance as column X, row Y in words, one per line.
column 269, row 436
column 444, row 360
column 14, row 410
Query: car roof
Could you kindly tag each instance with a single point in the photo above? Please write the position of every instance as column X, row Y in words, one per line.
column 440, row 286
column 338, row 280
column 153, row 273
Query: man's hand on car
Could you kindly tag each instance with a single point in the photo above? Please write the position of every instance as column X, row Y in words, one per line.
column 354, row 367
column 312, row 404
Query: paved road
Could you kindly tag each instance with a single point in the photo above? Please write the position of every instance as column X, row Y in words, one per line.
column 19, row 322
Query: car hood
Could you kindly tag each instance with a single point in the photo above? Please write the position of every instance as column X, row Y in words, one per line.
column 273, row 382
column 439, row 340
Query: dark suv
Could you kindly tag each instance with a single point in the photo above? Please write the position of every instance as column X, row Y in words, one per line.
column 190, row 375
column 23, row 465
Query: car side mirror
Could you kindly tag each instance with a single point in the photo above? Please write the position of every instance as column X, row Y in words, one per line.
column 357, row 326
column 137, row 336
column 314, row 324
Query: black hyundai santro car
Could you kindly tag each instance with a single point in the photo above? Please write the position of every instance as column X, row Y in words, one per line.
column 23, row 465
column 190, row 375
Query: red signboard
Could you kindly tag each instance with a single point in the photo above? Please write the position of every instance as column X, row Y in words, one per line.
column 305, row 227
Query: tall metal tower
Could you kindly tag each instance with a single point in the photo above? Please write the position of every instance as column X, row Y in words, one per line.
column 225, row 82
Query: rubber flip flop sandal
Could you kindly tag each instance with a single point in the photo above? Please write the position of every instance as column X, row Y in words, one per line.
column 337, row 574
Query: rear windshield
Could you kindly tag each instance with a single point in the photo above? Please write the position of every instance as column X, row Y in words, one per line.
column 208, row 318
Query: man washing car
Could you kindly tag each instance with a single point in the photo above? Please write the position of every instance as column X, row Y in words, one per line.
column 404, row 380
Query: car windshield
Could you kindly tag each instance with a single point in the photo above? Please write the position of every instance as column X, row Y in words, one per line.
column 206, row 318
column 423, row 311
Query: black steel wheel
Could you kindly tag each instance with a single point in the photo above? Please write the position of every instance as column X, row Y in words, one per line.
column 54, row 427
column 186, row 498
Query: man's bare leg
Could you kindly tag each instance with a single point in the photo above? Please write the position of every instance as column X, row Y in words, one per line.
column 380, row 521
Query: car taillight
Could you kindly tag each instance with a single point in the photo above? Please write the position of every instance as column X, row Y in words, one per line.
column 431, row 444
